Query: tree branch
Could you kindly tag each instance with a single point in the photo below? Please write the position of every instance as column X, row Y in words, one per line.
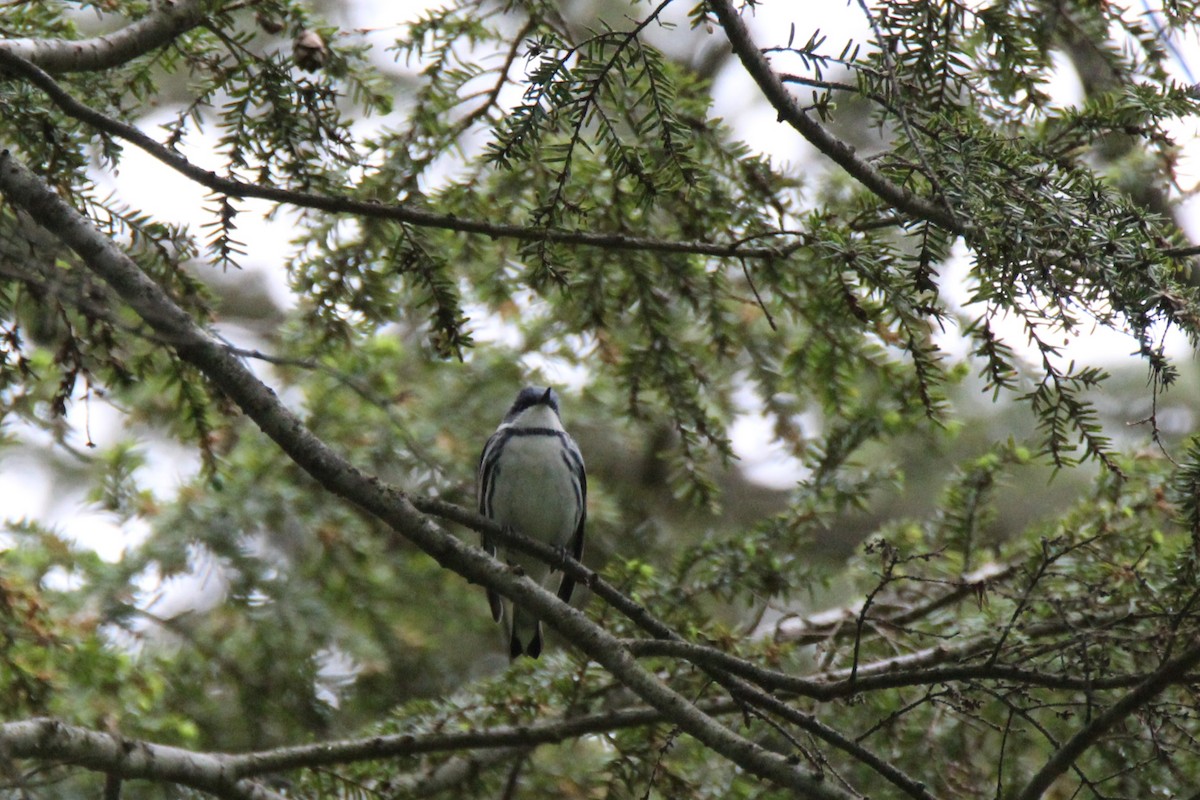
column 167, row 20
column 943, row 654
column 731, row 679
column 807, row 722
column 826, row 624
column 408, row 744
column 374, row 210
column 841, row 153
column 29, row 193
column 50, row 740
column 226, row 775
column 871, row 677
column 1170, row 672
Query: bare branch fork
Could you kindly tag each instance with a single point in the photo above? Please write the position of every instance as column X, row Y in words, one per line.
column 1073, row 748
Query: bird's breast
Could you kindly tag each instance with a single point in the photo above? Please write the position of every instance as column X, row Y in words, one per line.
column 535, row 491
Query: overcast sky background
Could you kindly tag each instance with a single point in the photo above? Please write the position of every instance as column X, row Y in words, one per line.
column 27, row 487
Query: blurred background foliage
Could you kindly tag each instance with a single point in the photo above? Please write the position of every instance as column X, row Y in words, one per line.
column 243, row 609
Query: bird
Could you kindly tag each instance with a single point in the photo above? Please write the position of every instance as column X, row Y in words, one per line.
column 531, row 479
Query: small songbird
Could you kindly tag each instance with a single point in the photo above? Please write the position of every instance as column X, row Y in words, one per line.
column 531, row 479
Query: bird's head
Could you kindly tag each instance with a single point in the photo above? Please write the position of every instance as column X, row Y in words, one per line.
column 535, row 406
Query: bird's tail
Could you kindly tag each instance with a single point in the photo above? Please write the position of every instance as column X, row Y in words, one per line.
column 526, row 634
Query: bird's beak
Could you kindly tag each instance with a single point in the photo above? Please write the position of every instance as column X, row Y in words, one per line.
column 546, row 396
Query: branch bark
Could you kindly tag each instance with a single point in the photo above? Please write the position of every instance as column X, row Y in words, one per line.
column 228, row 775
column 167, row 20
column 50, row 740
column 29, row 193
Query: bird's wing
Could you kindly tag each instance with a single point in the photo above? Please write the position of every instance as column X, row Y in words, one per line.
column 484, row 484
column 575, row 545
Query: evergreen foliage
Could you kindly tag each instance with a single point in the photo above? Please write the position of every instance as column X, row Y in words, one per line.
column 509, row 193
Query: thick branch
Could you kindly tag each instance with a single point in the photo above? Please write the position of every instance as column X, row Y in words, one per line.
column 974, row 646
column 29, row 193
column 841, row 153
column 50, row 740
column 168, row 19
column 225, row 775
column 363, row 208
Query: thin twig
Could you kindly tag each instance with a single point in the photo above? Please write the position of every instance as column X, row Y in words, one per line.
column 1043, row 565
column 757, row 297
column 884, row 580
